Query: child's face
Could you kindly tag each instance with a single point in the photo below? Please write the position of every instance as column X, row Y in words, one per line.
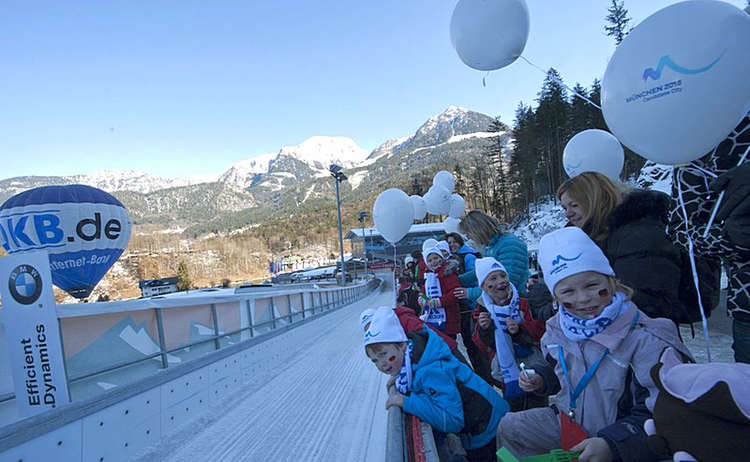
column 454, row 244
column 584, row 294
column 497, row 286
column 388, row 358
column 434, row 261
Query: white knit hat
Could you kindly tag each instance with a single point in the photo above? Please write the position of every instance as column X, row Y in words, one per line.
column 569, row 251
column 485, row 266
column 427, row 245
column 384, row 327
column 408, row 259
column 365, row 318
column 435, row 250
column 443, row 245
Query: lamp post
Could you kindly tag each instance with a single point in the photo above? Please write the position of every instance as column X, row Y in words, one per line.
column 339, row 176
column 362, row 216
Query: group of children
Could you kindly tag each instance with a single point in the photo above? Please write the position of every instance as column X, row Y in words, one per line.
column 580, row 382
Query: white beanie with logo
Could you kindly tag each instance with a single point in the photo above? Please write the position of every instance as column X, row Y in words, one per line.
column 443, row 245
column 435, row 250
column 427, row 245
column 569, row 251
column 485, row 266
column 365, row 318
column 384, row 327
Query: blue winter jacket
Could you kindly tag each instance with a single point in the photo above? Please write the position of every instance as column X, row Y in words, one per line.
column 469, row 256
column 509, row 250
column 448, row 395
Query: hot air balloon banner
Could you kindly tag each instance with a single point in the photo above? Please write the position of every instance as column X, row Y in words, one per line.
column 84, row 230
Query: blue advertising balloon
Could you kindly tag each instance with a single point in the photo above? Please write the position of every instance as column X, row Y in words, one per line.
column 84, row 229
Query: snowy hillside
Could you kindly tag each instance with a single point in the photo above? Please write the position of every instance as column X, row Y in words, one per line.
column 243, row 173
column 544, row 217
column 135, row 180
column 319, row 152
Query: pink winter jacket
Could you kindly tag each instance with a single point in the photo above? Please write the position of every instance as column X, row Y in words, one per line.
column 637, row 348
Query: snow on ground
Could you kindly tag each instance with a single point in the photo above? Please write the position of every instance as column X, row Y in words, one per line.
column 544, row 217
column 320, row 398
column 356, row 179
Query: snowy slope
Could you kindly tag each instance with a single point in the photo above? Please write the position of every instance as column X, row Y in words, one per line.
column 242, row 173
column 319, row 152
column 135, row 180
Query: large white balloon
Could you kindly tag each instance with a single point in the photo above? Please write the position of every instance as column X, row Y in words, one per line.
column 458, row 206
column 444, row 179
column 420, row 208
column 678, row 84
column 594, row 151
column 393, row 214
column 438, row 200
column 451, row 224
column 489, row 34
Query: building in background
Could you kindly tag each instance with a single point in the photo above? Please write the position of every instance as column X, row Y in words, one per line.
column 162, row 286
column 376, row 247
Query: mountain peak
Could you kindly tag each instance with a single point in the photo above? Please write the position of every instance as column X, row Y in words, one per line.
column 320, row 151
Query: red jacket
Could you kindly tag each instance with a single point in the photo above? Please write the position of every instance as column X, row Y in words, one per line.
column 448, row 276
column 411, row 323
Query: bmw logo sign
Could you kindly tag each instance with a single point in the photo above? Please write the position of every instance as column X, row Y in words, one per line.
column 25, row 284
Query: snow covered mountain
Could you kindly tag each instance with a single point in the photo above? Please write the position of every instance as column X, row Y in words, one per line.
column 266, row 185
column 245, row 173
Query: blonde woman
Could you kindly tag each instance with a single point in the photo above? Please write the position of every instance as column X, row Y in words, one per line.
column 630, row 228
column 493, row 241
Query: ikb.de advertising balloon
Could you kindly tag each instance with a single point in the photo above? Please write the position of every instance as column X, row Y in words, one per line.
column 594, row 150
column 419, row 206
column 451, row 224
column 438, row 200
column 444, row 179
column 458, row 206
column 489, row 34
column 678, row 84
column 393, row 214
column 84, row 229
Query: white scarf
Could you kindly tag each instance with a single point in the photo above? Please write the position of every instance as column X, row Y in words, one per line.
column 403, row 380
column 432, row 285
column 578, row 329
column 503, row 343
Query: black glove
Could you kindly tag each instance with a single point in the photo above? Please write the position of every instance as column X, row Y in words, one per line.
column 734, row 209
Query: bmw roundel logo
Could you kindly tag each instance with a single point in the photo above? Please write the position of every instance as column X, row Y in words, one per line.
column 25, row 284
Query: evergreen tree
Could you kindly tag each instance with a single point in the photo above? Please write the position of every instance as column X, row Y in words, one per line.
column 183, row 282
column 552, row 123
column 495, row 154
column 617, row 21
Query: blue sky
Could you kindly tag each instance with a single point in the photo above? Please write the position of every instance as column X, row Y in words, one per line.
column 186, row 87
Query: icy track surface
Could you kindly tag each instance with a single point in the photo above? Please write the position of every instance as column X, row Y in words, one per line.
column 318, row 399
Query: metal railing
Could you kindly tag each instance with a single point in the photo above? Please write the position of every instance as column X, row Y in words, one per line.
column 162, row 316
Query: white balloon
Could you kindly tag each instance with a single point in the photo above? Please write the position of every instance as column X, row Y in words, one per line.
column 489, row 34
column 444, row 179
column 451, row 224
column 438, row 200
column 594, row 151
column 678, row 84
column 458, row 206
column 393, row 214
column 420, row 208
column 428, row 244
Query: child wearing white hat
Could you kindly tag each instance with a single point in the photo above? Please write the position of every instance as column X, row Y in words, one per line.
column 505, row 326
column 441, row 307
column 432, row 384
column 599, row 350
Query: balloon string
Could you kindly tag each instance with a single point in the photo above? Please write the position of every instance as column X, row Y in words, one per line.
column 691, row 253
column 559, row 80
column 484, row 79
